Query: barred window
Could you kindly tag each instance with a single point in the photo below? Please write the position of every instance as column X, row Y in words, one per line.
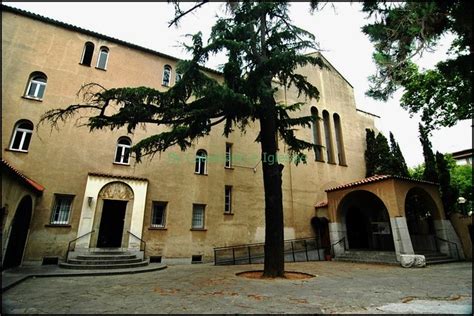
column 198, row 216
column 62, row 209
column 159, row 214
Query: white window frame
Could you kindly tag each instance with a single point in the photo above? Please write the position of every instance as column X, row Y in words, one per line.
column 165, row 69
column 123, row 149
column 62, row 215
column 178, row 77
column 198, row 223
column 37, row 87
column 201, row 162
column 228, row 155
column 163, row 223
column 228, row 199
column 103, row 49
column 24, row 132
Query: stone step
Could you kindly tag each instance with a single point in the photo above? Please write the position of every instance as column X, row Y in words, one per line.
column 365, row 260
column 106, row 257
column 104, row 266
column 446, row 260
column 104, row 261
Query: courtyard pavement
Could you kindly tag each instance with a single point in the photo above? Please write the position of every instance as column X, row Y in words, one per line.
column 339, row 287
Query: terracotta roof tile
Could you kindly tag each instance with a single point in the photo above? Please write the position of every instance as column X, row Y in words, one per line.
column 30, row 182
column 376, row 178
column 321, row 204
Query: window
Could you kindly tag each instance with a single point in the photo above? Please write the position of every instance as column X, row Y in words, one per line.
column 318, row 151
column 327, row 133
column 201, row 157
column 22, row 136
column 103, row 58
column 228, row 155
column 87, row 54
column 198, row 216
column 36, row 85
column 62, row 209
column 166, row 75
column 158, row 218
column 228, row 199
column 122, row 154
column 178, row 77
column 339, row 141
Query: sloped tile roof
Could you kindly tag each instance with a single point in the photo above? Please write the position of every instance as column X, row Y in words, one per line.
column 321, row 204
column 38, row 188
column 377, row 178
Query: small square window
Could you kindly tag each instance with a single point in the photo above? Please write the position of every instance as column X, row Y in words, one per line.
column 198, row 216
column 159, row 214
column 62, row 209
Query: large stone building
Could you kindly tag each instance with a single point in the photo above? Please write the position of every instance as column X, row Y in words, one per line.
column 74, row 183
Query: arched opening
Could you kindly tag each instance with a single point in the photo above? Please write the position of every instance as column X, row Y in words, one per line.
column 103, row 58
column 367, row 222
column 87, row 54
column 18, row 234
column 339, row 140
column 318, row 151
column 328, row 136
column 420, row 211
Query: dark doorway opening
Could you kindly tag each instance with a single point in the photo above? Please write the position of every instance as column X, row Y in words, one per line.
column 321, row 230
column 111, row 224
column 18, row 234
column 358, row 232
column 419, row 211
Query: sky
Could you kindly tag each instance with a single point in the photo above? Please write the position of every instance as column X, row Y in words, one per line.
column 337, row 29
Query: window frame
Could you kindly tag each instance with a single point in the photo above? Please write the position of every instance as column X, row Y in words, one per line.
column 341, row 154
column 103, row 49
column 328, row 138
column 169, row 69
column 123, row 148
column 54, row 211
column 228, row 199
column 33, row 80
column 228, row 155
column 155, row 204
column 203, row 220
column 178, row 76
column 202, row 162
column 86, row 45
column 17, row 129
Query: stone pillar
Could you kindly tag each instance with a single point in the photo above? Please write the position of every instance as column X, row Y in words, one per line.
column 401, row 236
column 445, row 230
column 336, row 232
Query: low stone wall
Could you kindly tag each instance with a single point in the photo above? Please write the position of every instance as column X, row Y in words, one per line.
column 460, row 224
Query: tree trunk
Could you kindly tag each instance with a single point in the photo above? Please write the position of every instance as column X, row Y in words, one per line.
column 274, row 265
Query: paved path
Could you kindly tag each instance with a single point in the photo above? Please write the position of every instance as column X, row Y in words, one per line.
column 338, row 287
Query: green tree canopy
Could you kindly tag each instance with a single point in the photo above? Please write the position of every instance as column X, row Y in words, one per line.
column 398, row 165
column 380, row 158
column 429, row 173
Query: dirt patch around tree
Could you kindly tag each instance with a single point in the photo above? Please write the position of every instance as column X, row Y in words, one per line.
column 289, row 275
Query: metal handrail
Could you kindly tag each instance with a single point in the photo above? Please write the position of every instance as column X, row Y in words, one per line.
column 261, row 243
column 141, row 241
column 69, row 245
column 337, row 242
column 450, row 242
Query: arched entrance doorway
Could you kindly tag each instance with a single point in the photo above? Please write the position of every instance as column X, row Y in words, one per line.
column 18, row 234
column 367, row 222
column 420, row 212
column 113, row 216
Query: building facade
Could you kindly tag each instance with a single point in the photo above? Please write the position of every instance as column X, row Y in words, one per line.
column 183, row 204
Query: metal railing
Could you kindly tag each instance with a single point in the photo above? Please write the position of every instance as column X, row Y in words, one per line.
column 343, row 239
column 141, row 242
column 69, row 245
column 449, row 246
column 302, row 249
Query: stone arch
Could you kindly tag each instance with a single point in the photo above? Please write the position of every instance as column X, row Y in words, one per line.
column 18, row 235
column 115, row 196
column 365, row 221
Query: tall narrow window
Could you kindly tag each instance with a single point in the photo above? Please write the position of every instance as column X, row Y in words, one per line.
column 36, row 85
column 339, row 140
column 61, row 209
column 21, row 136
column 228, row 155
column 201, row 162
column 228, row 199
column 103, row 58
column 122, row 153
column 327, row 133
column 166, row 75
column 158, row 218
column 318, row 151
column 87, row 54
column 178, row 77
column 198, row 216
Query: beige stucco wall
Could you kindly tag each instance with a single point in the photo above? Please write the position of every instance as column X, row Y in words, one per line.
column 461, row 225
column 61, row 160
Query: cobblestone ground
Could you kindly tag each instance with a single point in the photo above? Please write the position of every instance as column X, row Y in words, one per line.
column 338, row 287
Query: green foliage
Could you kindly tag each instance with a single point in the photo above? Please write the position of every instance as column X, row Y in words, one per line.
column 403, row 31
column 448, row 192
column 430, row 173
column 371, row 158
column 398, row 165
column 417, row 172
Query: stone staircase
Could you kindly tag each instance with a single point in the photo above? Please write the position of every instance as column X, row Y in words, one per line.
column 434, row 257
column 105, row 259
column 368, row 256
